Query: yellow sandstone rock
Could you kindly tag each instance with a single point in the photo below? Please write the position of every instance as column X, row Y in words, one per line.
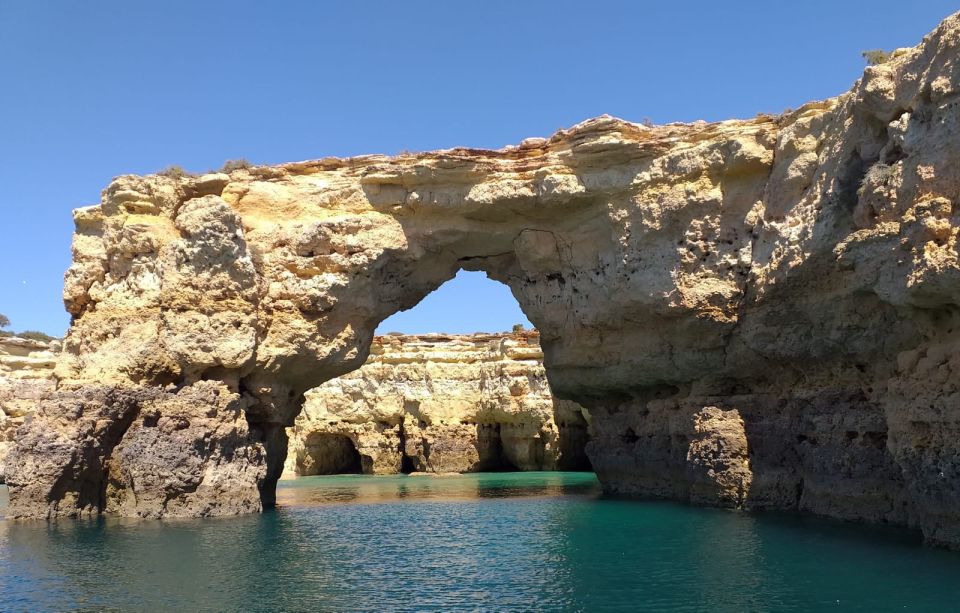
column 440, row 403
column 26, row 376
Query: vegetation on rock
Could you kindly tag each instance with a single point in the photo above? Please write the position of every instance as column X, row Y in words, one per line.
column 232, row 165
column 174, row 172
column 875, row 56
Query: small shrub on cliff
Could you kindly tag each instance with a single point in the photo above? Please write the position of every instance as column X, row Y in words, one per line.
column 231, row 165
column 875, row 56
column 878, row 174
column 33, row 335
column 29, row 334
column 518, row 328
column 174, row 172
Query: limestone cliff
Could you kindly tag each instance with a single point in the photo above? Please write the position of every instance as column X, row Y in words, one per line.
column 26, row 376
column 760, row 313
column 440, row 403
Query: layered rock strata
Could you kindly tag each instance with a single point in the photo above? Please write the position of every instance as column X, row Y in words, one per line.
column 760, row 313
column 26, row 376
column 440, row 403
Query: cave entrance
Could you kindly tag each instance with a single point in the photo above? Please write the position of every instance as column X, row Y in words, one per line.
column 574, row 436
column 490, row 447
column 329, row 454
column 407, row 465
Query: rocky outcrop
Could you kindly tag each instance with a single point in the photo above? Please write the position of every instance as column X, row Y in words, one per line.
column 26, row 376
column 440, row 403
column 142, row 452
column 761, row 313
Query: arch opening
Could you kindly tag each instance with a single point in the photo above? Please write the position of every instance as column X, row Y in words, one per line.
column 468, row 303
column 472, row 398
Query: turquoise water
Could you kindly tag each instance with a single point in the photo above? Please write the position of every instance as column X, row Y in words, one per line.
column 502, row 541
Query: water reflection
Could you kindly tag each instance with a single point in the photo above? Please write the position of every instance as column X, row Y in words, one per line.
column 360, row 489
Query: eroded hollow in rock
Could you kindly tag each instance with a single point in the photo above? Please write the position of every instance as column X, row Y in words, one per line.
column 407, row 464
column 329, row 454
column 493, row 457
column 574, row 436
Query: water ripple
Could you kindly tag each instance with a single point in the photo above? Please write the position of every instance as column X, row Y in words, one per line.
column 509, row 542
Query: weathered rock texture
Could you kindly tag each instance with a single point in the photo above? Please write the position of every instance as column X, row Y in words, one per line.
column 760, row 313
column 440, row 403
column 26, row 376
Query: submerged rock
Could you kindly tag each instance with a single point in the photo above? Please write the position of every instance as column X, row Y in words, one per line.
column 759, row 313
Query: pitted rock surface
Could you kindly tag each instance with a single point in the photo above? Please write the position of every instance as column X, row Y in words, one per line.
column 26, row 376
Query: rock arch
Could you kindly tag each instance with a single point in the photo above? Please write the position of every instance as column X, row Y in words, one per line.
column 775, row 298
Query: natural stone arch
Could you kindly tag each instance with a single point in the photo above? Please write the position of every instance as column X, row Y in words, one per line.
column 776, row 297
column 272, row 281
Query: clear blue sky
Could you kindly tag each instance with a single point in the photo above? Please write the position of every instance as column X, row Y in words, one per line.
column 91, row 90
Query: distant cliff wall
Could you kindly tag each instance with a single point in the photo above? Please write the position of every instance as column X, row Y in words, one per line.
column 440, row 403
column 26, row 376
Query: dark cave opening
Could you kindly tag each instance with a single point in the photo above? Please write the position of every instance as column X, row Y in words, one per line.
column 493, row 458
column 573, row 443
column 407, row 464
column 329, row 454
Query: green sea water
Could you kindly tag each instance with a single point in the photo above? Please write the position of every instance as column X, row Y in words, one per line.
column 493, row 542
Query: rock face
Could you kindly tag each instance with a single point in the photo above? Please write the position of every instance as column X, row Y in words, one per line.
column 139, row 452
column 26, row 376
column 440, row 403
column 761, row 313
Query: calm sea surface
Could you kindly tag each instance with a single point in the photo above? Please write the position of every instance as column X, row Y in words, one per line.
column 507, row 541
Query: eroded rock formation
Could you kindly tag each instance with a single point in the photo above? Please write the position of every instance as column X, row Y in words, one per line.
column 26, row 376
column 440, row 403
column 761, row 313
